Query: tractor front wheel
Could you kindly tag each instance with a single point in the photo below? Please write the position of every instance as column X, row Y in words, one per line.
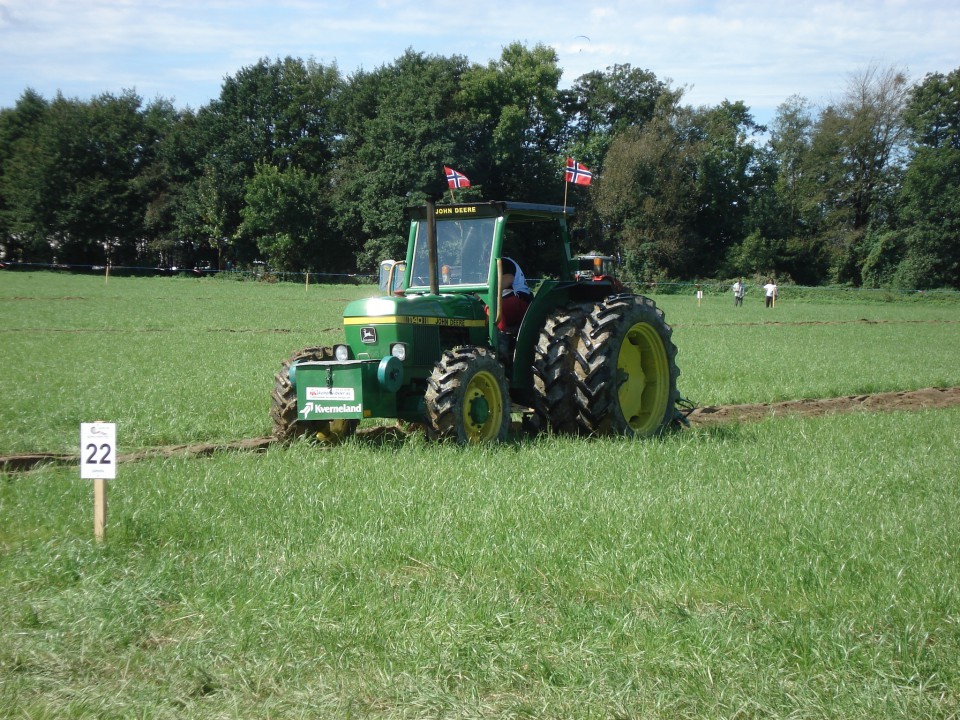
column 283, row 412
column 467, row 397
column 626, row 369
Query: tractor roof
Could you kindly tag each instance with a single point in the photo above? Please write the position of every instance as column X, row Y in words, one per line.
column 518, row 211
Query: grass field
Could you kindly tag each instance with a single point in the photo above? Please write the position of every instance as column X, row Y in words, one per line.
column 789, row 568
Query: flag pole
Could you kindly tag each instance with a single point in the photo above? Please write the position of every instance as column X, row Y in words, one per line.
column 566, row 187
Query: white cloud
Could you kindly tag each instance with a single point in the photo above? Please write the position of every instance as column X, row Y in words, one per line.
column 760, row 53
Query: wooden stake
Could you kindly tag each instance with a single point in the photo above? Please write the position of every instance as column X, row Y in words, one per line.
column 99, row 509
column 106, row 277
column 306, row 285
column 98, row 462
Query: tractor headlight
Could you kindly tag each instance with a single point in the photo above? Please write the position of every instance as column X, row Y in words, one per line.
column 341, row 352
column 399, row 351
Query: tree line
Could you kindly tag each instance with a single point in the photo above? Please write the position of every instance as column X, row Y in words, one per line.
column 306, row 169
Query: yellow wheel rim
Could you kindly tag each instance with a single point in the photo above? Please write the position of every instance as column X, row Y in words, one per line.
column 643, row 378
column 482, row 408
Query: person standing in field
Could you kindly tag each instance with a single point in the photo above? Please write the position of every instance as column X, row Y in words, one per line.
column 739, row 289
column 771, row 293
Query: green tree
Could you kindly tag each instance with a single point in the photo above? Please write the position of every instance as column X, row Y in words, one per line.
column 514, row 122
column 513, row 118
column 597, row 107
column 175, row 152
column 280, row 113
column 931, row 188
column 857, row 150
column 72, row 186
column 283, row 214
column 204, row 217
column 402, row 123
column 790, row 144
column 758, row 255
column 646, row 196
column 784, row 214
column 728, row 179
column 922, row 250
column 676, row 192
column 601, row 104
column 20, row 239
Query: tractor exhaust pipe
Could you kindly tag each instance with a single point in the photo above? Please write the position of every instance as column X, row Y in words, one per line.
column 432, row 246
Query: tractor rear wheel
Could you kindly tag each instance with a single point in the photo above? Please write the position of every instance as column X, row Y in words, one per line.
column 283, row 412
column 467, row 397
column 554, row 382
column 626, row 369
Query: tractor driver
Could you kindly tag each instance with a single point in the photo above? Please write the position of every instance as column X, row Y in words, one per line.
column 515, row 296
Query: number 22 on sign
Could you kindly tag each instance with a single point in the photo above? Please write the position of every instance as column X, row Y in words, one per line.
column 98, row 461
column 98, row 450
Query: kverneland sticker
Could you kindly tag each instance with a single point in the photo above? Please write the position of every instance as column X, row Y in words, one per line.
column 310, row 408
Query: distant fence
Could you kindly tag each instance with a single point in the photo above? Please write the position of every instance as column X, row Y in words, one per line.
column 712, row 288
column 252, row 274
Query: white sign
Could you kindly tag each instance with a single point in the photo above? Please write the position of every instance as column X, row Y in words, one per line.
column 324, row 393
column 98, row 450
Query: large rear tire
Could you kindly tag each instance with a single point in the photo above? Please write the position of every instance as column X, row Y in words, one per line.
column 554, row 380
column 467, row 397
column 626, row 369
column 283, row 411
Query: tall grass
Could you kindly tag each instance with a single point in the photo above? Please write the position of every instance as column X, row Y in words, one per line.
column 791, row 568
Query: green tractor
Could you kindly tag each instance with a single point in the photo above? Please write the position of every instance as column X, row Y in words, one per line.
column 587, row 358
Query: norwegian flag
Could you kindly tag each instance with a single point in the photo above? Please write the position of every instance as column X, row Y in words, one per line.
column 455, row 179
column 578, row 174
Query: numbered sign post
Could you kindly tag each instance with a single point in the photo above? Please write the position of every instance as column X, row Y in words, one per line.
column 98, row 462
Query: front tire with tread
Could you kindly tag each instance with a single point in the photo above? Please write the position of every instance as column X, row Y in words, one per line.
column 467, row 397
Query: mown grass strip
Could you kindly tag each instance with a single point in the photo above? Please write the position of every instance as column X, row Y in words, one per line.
column 192, row 360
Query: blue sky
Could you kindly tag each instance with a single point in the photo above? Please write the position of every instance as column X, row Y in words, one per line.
column 757, row 52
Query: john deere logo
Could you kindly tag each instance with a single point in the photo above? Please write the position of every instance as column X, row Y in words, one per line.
column 368, row 335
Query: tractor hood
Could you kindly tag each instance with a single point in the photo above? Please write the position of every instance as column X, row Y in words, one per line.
column 443, row 310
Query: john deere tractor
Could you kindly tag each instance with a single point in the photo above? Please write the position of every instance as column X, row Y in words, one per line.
column 588, row 358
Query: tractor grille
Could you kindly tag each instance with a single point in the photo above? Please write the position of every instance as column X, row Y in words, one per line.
column 426, row 345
